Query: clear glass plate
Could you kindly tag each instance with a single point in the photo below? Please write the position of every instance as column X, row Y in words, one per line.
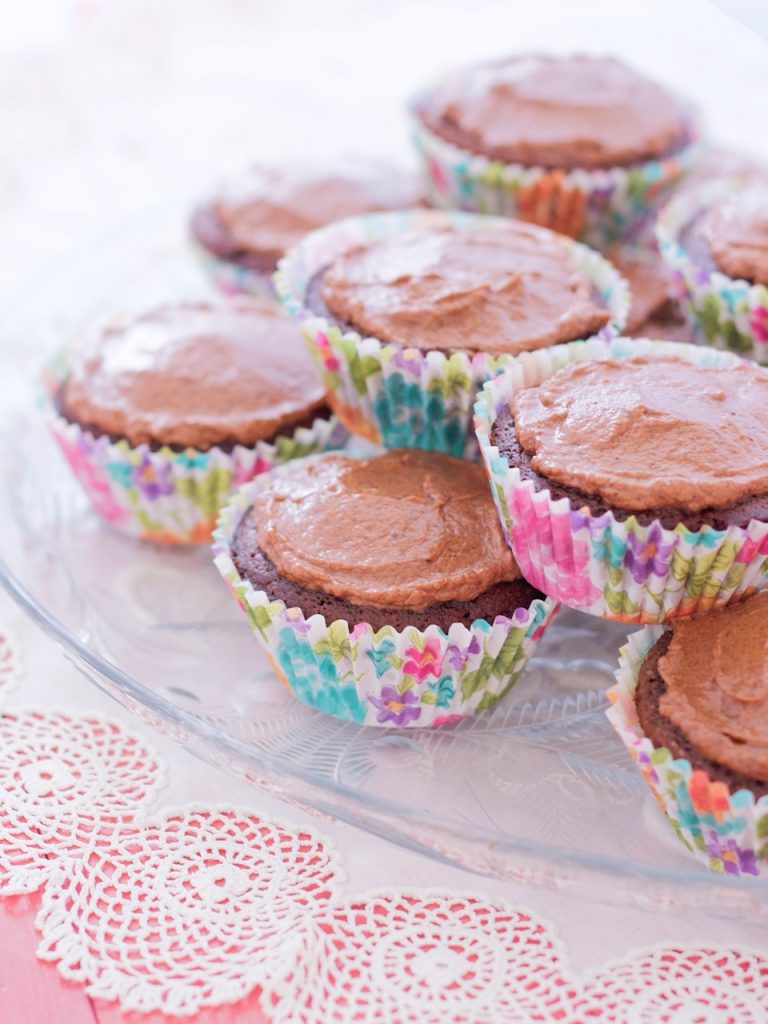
column 540, row 790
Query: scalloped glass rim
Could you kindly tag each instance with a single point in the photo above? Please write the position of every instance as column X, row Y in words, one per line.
column 89, row 280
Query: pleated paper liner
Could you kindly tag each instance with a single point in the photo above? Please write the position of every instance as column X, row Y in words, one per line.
column 599, row 206
column 169, row 496
column 727, row 831
column 726, row 312
column 391, row 678
column 406, row 397
column 233, row 278
column 596, row 563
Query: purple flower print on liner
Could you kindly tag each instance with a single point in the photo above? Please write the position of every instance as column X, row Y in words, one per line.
column 398, row 708
column 407, row 359
column 648, row 555
column 151, row 483
column 735, row 860
column 457, row 656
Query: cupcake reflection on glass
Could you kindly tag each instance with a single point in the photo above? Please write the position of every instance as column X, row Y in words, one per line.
column 161, row 415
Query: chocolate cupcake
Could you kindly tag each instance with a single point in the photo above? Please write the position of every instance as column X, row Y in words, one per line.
column 408, row 314
column 655, row 311
column 633, row 482
column 162, row 414
column 690, row 705
column 715, row 241
column 245, row 229
column 583, row 145
column 382, row 588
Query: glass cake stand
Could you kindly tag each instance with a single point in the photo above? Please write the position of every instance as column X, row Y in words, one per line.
column 539, row 790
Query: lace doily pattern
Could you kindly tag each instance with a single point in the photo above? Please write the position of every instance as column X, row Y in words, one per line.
column 191, row 911
column 69, row 783
column 669, row 985
column 425, row 958
column 9, row 665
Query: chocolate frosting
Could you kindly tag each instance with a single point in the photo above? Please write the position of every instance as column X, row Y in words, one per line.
column 716, row 676
column 736, row 231
column 194, row 375
column 650, row 432
column 406, row 529
column 649, row 284
column 507, row 288
column 575, row 111
column 268, row 209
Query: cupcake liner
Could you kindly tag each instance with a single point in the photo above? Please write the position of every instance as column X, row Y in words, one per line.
column 232, row 278
column 404, row 397
column 599, row 206
column 598, row 564
column 168, row 496
column 726, row 312
column 390, row 678
column 724, row 830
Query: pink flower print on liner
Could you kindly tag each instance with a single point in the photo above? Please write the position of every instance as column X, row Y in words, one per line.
column 423, row 663
column 447, row 720
column 330, row 362
column 758, row 322
column 90, row 474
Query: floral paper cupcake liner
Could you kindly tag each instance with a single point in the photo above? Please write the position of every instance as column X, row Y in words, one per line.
column 726, row 831
column 598, row 206
column 233, row 278
column 599, row 564
column 406, row 397
column 725, row 312
column 164, row 495
column 401, row 678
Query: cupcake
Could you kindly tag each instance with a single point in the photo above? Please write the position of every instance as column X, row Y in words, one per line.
column 690, row 706
column 244, row 229
column 161, row 415
column 716, row 162
column 409, row 313
column 382, row 589
column 715, row 241
column 583, row 145
column 632, row 479
column 654, row 312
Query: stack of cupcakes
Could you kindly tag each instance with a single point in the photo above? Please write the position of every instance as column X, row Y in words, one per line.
column 629, row 478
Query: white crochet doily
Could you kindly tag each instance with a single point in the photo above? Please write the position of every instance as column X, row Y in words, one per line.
column 424, row 958
column 203, row 906
column 194, row 910
column 430, row 958
column 68, row 782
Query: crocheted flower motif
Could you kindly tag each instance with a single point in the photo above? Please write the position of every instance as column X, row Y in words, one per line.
column 424, row 958
column 194, row 910
column 69, row 783
column 669, row 985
